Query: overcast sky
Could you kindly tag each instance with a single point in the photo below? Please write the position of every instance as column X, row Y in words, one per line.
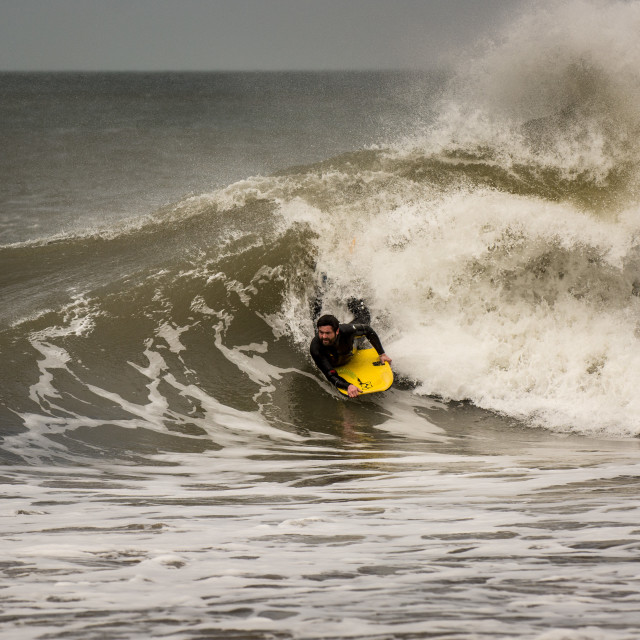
column 240, row 34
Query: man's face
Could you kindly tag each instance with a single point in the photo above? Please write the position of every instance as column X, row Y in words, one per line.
column 327, row 335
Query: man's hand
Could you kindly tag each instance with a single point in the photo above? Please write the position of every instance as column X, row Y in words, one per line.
column 385, row 358
column 353, row 391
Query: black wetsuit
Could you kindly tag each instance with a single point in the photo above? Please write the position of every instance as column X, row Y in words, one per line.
column 331, row 356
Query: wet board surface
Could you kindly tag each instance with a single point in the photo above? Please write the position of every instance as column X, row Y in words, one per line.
column 367, row 372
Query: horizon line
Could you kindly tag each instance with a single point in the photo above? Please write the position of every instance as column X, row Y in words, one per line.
column 284, row 70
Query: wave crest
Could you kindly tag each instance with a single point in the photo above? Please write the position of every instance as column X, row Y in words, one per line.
column 558, row 89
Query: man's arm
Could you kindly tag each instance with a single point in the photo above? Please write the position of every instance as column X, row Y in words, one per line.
column 324, row 364
column 366, row 331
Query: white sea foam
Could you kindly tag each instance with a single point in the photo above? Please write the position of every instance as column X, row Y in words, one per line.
column 519, row 304
column 524, row 303
column 286, row 545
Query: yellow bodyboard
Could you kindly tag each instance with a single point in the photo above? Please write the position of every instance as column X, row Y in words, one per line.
column 367, row 372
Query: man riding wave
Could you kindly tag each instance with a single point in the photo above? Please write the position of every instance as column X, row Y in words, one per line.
column 333, row 346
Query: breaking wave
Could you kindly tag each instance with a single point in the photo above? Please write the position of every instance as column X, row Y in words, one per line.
column 497, row 248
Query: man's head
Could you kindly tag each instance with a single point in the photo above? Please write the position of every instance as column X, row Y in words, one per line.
column 328, row 329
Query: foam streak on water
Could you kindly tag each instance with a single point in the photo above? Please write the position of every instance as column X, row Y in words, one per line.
column 366, row 545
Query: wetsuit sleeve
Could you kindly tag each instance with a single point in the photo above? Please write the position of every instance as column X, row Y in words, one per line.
column 366, row 331
column 324, row 364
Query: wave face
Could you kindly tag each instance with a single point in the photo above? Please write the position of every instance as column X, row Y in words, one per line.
column 497, row 247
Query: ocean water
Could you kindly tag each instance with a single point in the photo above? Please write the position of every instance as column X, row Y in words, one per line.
column 173, row 466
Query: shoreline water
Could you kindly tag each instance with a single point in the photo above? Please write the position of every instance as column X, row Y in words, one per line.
column 418, row 538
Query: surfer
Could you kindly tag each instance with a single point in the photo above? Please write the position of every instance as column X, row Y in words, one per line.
column 333, row 346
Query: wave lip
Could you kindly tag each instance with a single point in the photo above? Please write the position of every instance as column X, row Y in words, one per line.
column 556, row 93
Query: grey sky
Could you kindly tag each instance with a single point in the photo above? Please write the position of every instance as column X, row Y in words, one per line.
column 240, row 34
